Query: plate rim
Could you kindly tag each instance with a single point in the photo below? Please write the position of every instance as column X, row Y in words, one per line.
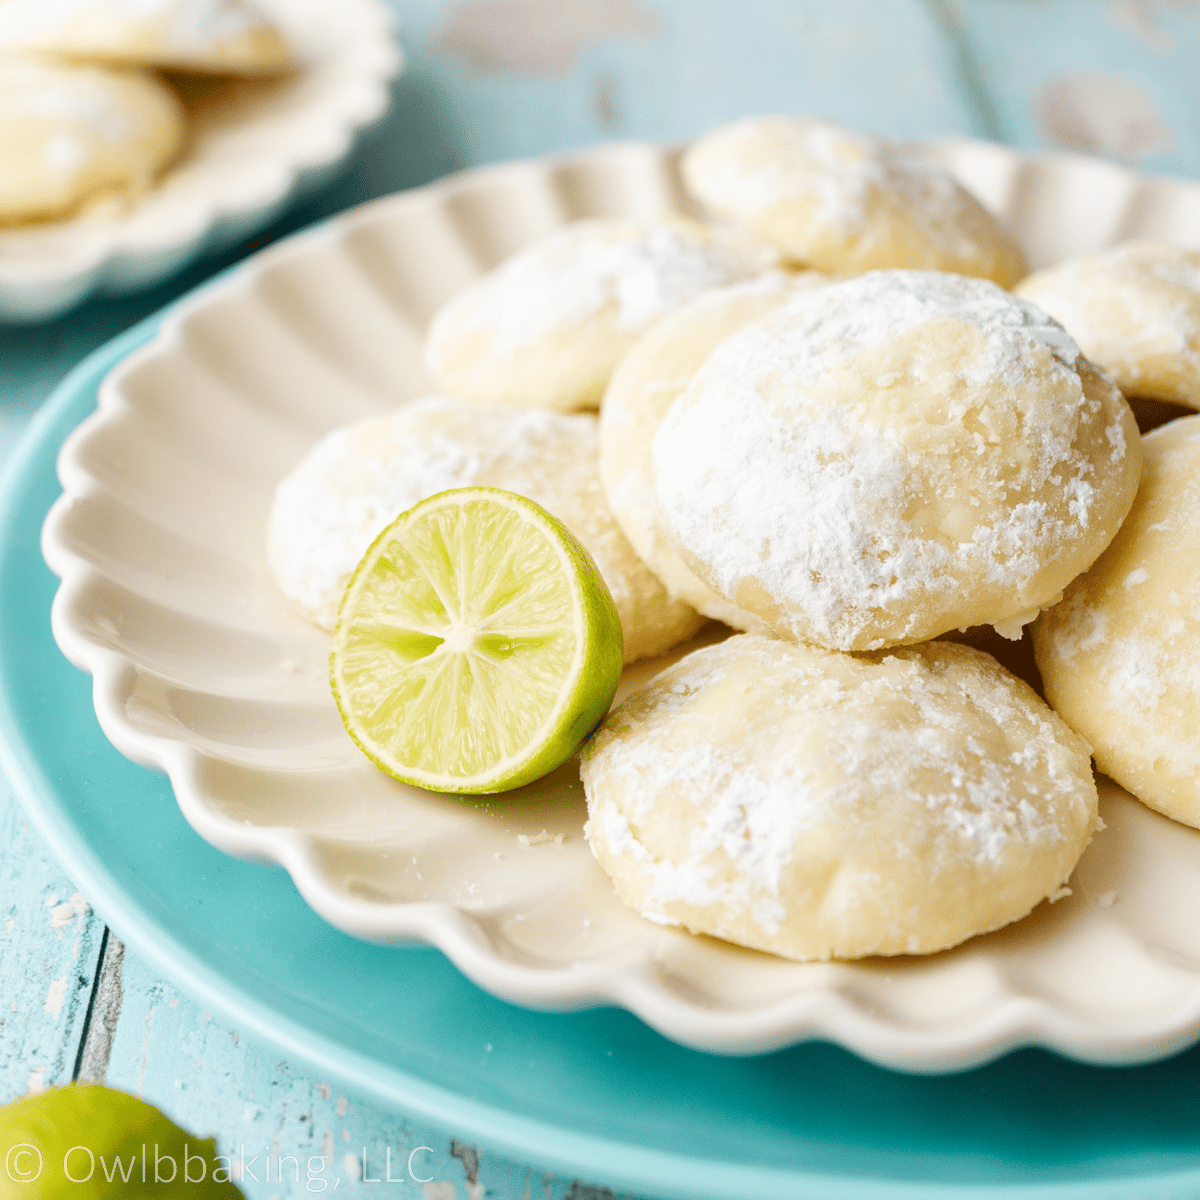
column 1017, row 1022
column 644, row 1170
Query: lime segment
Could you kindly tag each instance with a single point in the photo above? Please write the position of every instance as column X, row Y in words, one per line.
column 476, row 645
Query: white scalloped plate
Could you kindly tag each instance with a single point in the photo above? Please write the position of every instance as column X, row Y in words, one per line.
column 202, row 670
column 248, row 156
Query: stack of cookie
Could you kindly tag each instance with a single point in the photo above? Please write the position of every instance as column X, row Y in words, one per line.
column 87, row 114
column 854, row 470
column 825, row 422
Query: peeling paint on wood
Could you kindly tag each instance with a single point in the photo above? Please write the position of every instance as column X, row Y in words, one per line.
column 106, row 1008
column 1117, row 79
column 580, row 1191
column 469, row 1157
column 1103, row 114
column 55, row 995
column 537, row 37
column 48, row 953
column 608, row 107
column 271, row 1119
column 1144, row 18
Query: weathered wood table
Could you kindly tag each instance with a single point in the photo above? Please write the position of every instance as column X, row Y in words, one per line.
column 493, row 79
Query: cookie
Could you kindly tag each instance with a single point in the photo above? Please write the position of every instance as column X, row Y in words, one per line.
column 68, row 133
column 546, row 328
column 227, row 36
column 891, row 457
column 1120, row 656
column 1134, row 309
column 642, row 389
column 822, row 805
column 359, row 478
column 845, row 202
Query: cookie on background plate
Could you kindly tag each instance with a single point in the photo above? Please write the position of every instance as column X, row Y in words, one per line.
column 71, row 133
column 224, row 36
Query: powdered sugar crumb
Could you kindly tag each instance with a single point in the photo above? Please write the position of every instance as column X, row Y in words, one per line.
column 541, row 839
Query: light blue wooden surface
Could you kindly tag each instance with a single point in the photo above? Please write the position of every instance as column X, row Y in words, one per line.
column 49, row 948
column 487, row 80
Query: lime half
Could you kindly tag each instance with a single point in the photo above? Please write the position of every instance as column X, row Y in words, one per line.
column 87, row 1141
column 476, row 645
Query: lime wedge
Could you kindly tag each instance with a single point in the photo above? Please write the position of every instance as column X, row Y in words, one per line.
column 476, row 645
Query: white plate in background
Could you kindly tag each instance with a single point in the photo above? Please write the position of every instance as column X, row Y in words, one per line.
column 252, row 148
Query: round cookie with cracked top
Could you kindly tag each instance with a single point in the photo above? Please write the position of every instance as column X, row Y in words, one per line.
column 1134, row 309
column 846, row 202
column 1120, row 656
column 71, row 133
column 821, row 805
column 357, row 479
column 642, row 389
column 547, row 326
column 226, row 36
column 895, row 456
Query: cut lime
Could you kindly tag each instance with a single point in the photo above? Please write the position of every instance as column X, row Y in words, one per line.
column 476, row 645
column 86, row 1141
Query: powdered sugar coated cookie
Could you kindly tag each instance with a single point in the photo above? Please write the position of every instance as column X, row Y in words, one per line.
column 1120, row 656
column 642, row 389
column 358, row 479
column 208, row 35
column 1134, row 309
column 846, row 202
column 823, row 805
column 70, row 132
column 895, row 456
column 546, row 328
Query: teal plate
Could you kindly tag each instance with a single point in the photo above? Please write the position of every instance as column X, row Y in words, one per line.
column 594, row 1094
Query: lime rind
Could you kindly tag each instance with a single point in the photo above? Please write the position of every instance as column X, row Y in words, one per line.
column 476, row 646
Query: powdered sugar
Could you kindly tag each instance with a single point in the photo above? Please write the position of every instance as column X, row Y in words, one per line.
column 853, row 743
column 1077, row 627
column 81, row 99
column 188, row 25
column 1168, row 263
column 843, row 170
column 644, row 269
column 359, row 478
column 849, row 179
column 64, row 153
column 786, row 462
column 1135, row 310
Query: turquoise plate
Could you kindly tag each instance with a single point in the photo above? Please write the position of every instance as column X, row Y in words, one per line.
column 593, row 1094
